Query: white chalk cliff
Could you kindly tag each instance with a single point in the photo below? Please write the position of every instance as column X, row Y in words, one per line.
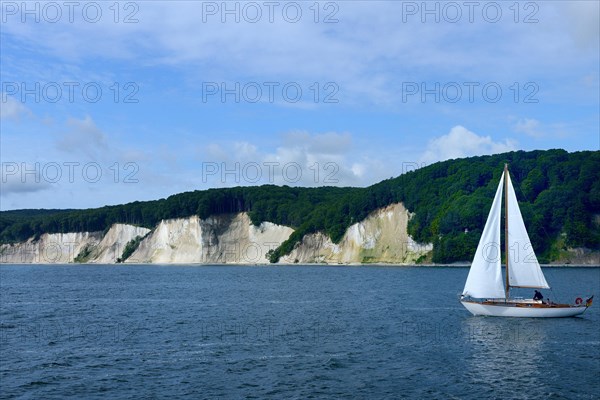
column 228, row 239
column 381, row 238
column 60, row 248
column 113, row 243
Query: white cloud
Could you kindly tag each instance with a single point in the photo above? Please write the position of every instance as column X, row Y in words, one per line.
column 82, row 165
column 21, row 178
column 324, row 143
column 358, row 170
column 460, row 142
column 350, row 52
column 301, row 159
column 245, row 150
column 530, row 127
column 583, row 19
column 536, row 129
column 332, row 159
column 12, row 109
column 83, row 137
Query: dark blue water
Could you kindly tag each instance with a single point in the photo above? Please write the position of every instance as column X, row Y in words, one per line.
column 283, row 332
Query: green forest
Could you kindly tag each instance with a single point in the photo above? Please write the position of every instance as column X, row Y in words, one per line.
column 558, row 192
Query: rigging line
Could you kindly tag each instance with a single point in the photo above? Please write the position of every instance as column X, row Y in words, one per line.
column 556, row 298
column 558, row 292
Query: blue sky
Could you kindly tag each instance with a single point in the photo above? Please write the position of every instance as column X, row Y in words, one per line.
column 210, row 94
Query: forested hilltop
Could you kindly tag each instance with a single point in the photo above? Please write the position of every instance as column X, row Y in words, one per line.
column 559, row 195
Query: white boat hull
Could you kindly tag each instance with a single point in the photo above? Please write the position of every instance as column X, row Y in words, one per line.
column 512, row 310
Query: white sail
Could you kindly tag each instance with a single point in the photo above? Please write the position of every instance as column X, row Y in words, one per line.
column 485, row 275
column 523, row 267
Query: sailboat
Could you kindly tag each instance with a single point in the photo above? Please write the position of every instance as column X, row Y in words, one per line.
column 485, row 293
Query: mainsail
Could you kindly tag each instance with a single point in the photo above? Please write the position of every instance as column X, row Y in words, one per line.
column 485, row 275
column 523, row 267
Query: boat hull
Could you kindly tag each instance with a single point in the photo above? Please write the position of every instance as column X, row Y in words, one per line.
column 522, row 310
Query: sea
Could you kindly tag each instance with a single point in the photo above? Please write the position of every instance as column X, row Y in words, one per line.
column 284, row 332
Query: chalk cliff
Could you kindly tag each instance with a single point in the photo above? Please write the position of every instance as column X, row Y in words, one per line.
column 380, row 238
column 113, row 243
column 58, row 248
column 232, row 238
column 217, row 239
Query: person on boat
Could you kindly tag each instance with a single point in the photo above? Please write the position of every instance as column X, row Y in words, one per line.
column 538, row 296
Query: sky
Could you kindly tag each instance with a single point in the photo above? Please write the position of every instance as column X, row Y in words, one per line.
column 112, row 102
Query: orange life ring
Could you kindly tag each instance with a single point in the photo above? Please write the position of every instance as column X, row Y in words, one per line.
column 578, row 300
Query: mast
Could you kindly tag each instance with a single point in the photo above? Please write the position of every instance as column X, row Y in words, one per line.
column 506, row 226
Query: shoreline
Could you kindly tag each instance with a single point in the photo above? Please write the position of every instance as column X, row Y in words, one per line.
column 454, row 265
